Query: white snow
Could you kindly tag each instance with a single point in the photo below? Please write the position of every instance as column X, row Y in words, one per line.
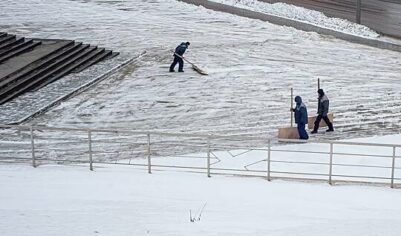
column 304, row 15
column 121, row 200
column 252, row 64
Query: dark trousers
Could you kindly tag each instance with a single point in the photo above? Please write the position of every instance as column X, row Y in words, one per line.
column 302, row 132
column 180, row 64
column 326, row 119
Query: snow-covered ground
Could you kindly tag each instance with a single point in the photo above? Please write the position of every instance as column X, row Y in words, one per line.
column 252, row 64
column 123, row 200
column 64, row 201
column 304, row 15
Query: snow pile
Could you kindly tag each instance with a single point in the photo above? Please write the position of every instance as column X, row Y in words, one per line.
column 302, row 14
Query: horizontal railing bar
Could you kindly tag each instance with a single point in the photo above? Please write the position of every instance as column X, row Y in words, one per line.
column 63, row 160
column 14, row 151
column 184, row 156
column 179, row 145
column 361, row 155
column 120, row 163
column 301, row 162
column 180, row 167
column 142, row 132
column 292, row 151
column 295, row 141
column 295, row 173
column 236, row 147
column 363, row 177
column 238, row 170
column 195, row 135
column 365, row 166
column 15, row 158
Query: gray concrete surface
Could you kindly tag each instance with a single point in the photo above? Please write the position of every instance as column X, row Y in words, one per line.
column 30, row 104
column 23, row 60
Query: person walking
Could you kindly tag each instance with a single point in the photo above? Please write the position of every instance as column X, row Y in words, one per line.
column 301, row 117
column 178, row 54
column 322, row 111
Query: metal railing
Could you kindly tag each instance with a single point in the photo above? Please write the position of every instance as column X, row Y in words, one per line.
column 333, row 161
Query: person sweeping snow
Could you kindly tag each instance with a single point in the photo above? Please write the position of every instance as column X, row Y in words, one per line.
column 301, row 117
column 178, row 54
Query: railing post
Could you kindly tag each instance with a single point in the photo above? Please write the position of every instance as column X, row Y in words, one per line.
column 331, row 164
column 268, row 159
column 90, row 149
column 393, row 168
column 33, row 148
column 208, row 156
column 149, row 160
column 358, row 11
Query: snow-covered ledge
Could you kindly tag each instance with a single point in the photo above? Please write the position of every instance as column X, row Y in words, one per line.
column 296, row 24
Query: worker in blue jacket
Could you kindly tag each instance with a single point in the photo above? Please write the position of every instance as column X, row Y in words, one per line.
column 178, row 54
column 301, row 117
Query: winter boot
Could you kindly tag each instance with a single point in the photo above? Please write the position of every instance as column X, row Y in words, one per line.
column 331, row 129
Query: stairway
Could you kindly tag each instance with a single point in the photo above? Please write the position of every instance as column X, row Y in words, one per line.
column 30, row 64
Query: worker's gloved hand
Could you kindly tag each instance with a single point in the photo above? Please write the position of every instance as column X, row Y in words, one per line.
column 292, row 109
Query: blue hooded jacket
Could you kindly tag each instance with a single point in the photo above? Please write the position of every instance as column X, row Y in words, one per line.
column 301, row 113
column 180, row 50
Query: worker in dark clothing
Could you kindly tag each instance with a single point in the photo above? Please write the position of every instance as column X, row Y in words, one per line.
column 322, row 111
column 301, row 117
column 178, row 53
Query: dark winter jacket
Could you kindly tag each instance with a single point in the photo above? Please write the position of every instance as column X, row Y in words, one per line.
column 180, row 50
column 323, row 107
column 301, row 113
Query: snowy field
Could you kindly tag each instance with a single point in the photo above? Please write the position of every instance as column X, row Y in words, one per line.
column 125, row 200
column 252, row 65
column 70, row 200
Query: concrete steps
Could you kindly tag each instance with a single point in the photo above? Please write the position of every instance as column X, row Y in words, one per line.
column 39, row 62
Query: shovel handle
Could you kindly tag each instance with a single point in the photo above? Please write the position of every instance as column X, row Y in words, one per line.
column 183, row 58
column 292, row 107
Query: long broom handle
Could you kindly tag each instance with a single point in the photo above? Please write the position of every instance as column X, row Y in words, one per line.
column 318, row 87
column 183, row 58
column 292, row 106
